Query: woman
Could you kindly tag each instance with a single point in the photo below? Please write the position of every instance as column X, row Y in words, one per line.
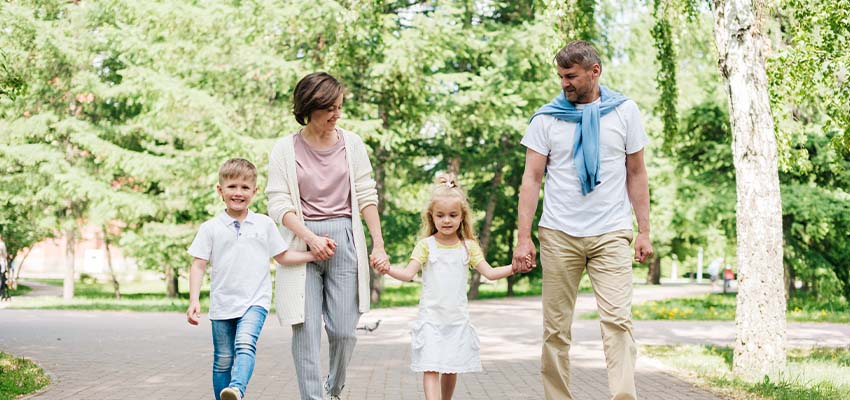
column 320, row 182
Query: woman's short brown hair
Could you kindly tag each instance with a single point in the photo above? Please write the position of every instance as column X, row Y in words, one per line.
column 316, row 91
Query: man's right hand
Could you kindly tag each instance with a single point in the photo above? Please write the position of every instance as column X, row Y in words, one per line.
column 524, row 256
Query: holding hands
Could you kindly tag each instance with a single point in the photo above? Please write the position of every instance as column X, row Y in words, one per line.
column 379, row 260
column 525, row 256
column 322, row 247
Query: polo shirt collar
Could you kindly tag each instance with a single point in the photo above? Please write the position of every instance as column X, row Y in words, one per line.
column 227, row 220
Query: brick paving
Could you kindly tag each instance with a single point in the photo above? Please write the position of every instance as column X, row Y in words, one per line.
column 128, row 356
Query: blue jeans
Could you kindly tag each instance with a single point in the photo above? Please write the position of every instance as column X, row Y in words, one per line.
column 234, row 349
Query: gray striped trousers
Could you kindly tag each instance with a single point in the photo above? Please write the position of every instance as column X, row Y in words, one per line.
column 331, row 294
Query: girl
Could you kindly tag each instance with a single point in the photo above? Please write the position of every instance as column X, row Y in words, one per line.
column 443, row 341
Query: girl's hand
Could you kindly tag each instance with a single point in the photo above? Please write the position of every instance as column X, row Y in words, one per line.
column 321, row 247
column 529, row 262
column 523, row 252
column 380, row 266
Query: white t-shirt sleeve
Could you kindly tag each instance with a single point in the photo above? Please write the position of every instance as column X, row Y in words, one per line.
column 201, row 246
column 636, row 138
column 536, row 137
column 276, row 243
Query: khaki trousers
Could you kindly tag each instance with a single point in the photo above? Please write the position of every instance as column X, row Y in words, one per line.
column 608, row 260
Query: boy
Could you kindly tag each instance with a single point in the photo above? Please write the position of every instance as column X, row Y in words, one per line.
column 238, row 243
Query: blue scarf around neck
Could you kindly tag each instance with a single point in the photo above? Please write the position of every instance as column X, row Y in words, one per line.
column 586, row 142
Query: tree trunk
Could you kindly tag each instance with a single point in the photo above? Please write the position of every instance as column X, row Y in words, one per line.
column 486, row 228
column 454, row 165
column 760, row 316
column 70, row 255
column 515, row 180
column 116, row 287
column 20, row 265
column 171, row 288
column 376, row 280
column 653, row 277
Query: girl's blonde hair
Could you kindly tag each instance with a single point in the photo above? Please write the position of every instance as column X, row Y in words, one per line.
column 445, row 186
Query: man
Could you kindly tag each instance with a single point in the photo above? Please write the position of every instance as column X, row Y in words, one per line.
column 589, row 141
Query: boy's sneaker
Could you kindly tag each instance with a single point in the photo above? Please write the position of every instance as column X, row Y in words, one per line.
column 230, row 393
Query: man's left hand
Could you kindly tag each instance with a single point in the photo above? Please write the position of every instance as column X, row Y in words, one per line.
column 643, row 247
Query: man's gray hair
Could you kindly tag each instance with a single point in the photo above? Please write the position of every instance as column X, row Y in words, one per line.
column 578, row 52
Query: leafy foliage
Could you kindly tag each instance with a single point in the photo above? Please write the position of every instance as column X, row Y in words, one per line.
column 809, row 75
column 126, row 124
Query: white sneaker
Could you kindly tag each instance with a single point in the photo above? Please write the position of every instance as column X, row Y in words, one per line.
column 230, row 393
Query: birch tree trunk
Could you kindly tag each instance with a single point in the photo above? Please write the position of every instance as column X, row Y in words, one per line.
column 760, row 316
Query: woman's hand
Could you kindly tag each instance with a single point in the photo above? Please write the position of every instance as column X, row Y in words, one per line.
column 379, row 260
column 321, row 247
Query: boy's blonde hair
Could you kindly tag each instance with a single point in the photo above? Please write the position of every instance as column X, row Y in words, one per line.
column 445, row 186
column 237, row 168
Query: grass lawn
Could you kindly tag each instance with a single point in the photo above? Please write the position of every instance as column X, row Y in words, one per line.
column 19, row 376
column 721, row 307
column 20, row 290
column 149, row 295
column 397, row 294
column 135, row 296
column 819, row 373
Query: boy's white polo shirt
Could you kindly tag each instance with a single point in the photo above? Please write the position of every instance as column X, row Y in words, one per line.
column 239, row 262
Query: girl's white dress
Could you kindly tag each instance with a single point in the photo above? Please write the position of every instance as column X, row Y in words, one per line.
column 442, row 338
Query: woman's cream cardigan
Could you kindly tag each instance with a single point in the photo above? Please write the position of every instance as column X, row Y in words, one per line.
column 282, row 191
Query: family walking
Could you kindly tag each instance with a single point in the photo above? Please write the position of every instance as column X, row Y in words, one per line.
column 588, row 142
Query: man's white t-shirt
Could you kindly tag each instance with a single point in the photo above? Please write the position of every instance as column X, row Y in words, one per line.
column 239, row 259
column 607, row 208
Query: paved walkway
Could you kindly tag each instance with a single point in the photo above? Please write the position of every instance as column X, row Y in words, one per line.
column 128, row 356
